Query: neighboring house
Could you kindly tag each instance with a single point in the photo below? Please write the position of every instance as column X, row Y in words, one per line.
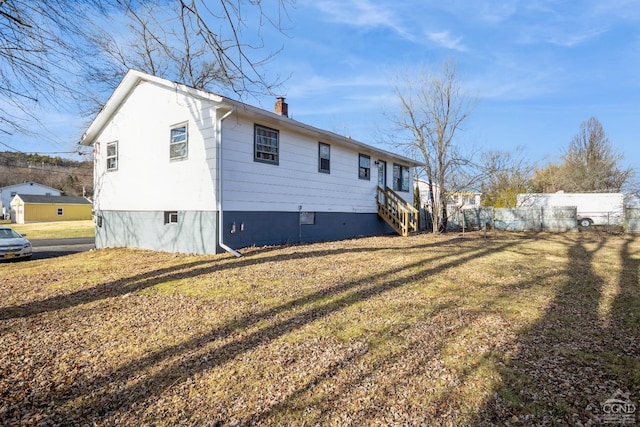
column 31, row 208
column 28, row 187
column 183, row 170
column 455, row 201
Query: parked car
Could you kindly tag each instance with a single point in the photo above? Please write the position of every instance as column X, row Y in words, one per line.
column 13, row 245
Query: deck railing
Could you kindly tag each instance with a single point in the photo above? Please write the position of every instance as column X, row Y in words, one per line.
column 399, row 214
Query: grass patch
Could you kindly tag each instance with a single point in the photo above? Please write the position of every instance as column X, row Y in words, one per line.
column 535, row 329
column 56, row 230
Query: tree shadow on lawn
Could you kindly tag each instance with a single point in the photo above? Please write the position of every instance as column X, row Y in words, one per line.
column 577, row 355
column 412, row 386
column 98, row 398
column 142, row 281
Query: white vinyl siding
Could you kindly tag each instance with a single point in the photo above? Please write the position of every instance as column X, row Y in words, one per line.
column 296, row 184
column 142, row 128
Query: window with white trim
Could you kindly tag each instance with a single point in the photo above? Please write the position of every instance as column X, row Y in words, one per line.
column 179, row 142
column 112, row 156
column 60, row 211
column 400, row 177
column 171, row 217
column 364, row 167
column 266, row 145
column 324, row 157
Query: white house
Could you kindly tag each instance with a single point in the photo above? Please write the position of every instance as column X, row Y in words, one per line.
column 183, row 170
column 28, row 187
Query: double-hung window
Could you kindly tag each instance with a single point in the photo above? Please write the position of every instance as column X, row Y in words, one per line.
column 400, row 178
column 324, row 158
column 179, row 142
column 112, row 156
column 364, row 169
column 266, row 147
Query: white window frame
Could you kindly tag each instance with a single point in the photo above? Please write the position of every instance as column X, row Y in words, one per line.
column 179, row 142
column 60, row 211
column 266, row 145
column 112, row 158
column 364, row 167
column 171, row 217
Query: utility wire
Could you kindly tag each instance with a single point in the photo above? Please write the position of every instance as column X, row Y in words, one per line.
column 35, row 168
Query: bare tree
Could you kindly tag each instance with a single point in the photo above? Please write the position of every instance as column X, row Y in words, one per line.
column 591, row 163
column 505, row 175
column 187, row 49
column 433, row 108
column 548, row 179
column 35, row 38
column 48, row 47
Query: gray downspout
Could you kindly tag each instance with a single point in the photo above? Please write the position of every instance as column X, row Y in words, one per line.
column 219, row 189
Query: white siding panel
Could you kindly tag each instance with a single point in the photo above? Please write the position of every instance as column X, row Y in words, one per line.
column 146, row 178
column 295, row 182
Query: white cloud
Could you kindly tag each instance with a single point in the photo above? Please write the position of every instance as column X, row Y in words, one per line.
column 362, row 13
column 444, row 39
column 575, row 38
column 496, row 11
column 314, row 84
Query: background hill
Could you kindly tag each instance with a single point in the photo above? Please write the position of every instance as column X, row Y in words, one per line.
column 74, row 178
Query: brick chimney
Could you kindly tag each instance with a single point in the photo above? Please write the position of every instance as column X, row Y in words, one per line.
column 282, row 107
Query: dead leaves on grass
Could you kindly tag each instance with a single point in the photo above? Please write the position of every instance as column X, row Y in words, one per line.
column 380, row 331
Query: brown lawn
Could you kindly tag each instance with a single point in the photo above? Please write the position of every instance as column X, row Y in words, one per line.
column 515, row 329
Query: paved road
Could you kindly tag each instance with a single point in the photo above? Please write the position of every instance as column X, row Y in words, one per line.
column 51, row 248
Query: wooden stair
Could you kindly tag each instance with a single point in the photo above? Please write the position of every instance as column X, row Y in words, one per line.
column 399, row 214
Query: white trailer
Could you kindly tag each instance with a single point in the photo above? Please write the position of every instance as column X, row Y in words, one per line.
column 592, row 208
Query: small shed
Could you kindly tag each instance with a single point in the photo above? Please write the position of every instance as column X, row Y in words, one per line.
column 34, row 208
column 28, row 187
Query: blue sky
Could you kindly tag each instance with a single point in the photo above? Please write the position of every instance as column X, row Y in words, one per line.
column 537, row 68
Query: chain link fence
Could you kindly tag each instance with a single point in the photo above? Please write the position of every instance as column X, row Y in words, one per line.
column 548, row 218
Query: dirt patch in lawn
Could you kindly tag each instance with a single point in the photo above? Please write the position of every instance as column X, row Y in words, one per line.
column 514, row 329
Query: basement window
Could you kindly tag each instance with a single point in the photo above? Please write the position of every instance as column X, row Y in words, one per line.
column 171, row 217
column 60, row 211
